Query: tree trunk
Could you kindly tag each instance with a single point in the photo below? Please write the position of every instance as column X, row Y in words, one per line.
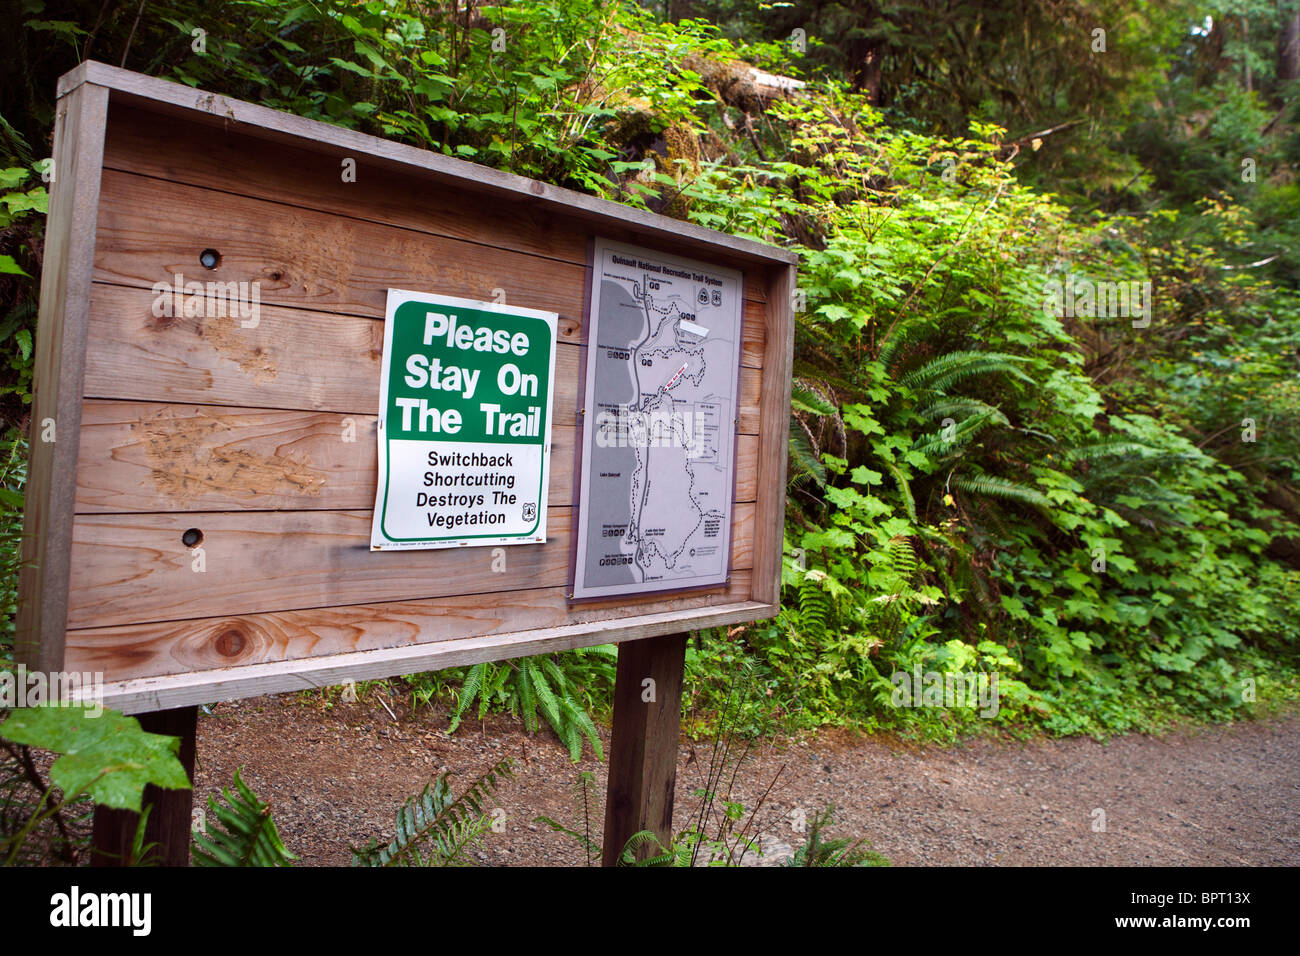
column 1288, row 48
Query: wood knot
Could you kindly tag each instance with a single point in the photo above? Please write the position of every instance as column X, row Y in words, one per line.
column 537, row 188
column 157, row 323
column 231, row 642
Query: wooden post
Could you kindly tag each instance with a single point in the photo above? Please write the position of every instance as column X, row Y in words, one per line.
column 643, row 748
column 169, row 821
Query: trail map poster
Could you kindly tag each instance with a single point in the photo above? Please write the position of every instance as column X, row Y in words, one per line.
column 659, row 423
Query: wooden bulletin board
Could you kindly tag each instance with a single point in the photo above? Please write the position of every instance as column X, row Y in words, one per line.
column 174, row 434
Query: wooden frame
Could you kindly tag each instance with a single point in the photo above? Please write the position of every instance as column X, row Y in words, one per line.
column 144, row 171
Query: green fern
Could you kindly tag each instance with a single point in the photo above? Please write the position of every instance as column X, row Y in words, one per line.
column 676, row 854
column 803, row 456
column 902, row 558
column 434, row 828
column 527, row 698
column 1111, row 447
column 904, row 332
column 816, row 607
column 965, row 407
column 963, row 433
column 546, row 701
column 904, row 488
column 991, row 487
column 938, row 374
column 239, row 832
column 468, row 692
column 526, row 687
column 817, row 851
column 809, row 401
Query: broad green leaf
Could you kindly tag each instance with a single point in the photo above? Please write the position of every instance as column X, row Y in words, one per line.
column 9, row 267
column 108, row 757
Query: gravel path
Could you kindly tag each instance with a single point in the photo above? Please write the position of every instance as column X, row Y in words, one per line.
column 1206, row 796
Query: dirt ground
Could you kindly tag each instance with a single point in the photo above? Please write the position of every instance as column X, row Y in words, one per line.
column 1206, row 796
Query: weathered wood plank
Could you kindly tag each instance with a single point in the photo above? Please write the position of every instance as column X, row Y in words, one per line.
column 173, row 647
column 201, row 687
column 57, row 378
column 293, row 359
column 150, row 456
column 775, row 440
column 310, row 177
column 308, row 259
column 131, row 569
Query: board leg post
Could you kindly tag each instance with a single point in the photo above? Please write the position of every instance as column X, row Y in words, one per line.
column 643, row 748
column 169, row 821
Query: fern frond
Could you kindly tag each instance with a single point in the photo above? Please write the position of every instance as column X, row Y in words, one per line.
column 239, row 832
column 991, row 487
column 899, row 333
column 963, row 408
column 902, row 558
column 1109, row 448
column 569, row 730
column 546, row 699
column 468, row 691
column 493, row 687
column 904, row 488
column 582, row 721
column 434, row 818
column 527, row 699
column 810, row 402
column 804, row 456
column 963, row 433
column 946, row 370
column 645, row 838
column 816, row 607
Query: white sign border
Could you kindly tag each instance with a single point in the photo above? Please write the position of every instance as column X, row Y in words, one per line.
column 396, row 298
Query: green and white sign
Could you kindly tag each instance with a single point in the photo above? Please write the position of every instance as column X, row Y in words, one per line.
column 464, row 423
